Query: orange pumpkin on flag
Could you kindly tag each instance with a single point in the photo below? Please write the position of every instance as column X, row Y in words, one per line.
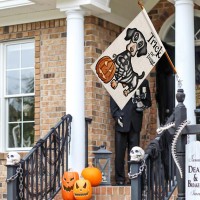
column 105, row 69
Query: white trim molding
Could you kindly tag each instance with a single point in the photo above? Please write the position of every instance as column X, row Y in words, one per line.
column 4, row 4
column 2, row 107
column 168, row 23
column 165, row 27
column 31, row 17
column 91, row 7
column 195, row 1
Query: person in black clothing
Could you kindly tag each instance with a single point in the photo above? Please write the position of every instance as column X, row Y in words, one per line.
column 127, row 129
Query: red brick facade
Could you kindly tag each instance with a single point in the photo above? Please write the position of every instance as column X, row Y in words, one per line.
column 50, row 78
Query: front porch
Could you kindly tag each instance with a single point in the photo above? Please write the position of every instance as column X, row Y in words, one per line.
column 41, row 170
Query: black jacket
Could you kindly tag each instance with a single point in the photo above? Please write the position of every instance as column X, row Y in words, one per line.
column 129, row 114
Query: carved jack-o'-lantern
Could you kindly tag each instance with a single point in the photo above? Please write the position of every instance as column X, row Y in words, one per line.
column 82, row 189
column 105, row 69
column 68, row 181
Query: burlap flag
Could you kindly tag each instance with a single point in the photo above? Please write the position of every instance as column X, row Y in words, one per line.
column 129, row 59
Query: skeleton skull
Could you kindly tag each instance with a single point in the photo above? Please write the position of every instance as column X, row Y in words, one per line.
column 13, row 158
column 136, row 153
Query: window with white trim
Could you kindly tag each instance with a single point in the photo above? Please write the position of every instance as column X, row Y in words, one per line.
column 18, row 67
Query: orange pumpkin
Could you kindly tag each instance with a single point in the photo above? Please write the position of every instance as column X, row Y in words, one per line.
column 68, row 181
column 92, row 174
column 105, row 69
column 82, row 189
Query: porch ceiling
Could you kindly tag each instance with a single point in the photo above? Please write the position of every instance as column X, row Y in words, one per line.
column 122, row 11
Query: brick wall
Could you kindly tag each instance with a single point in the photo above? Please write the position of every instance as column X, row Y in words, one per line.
column 52, row 73
column 113, row 193
column 99, row 35
column 3, row 174
column 50, row 79
column 107, row 193
column 160, row 13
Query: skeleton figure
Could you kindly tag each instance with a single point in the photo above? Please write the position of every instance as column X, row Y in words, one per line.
column 136, row 153
column 125, row 74
column 13, row 158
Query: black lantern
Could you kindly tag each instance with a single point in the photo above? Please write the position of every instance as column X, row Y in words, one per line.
column 102, row 161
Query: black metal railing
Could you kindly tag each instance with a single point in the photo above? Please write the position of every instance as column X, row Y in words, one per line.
column 161, row 169
column 38, row 175
column 87, row 122
column 46, row 162
column 158, row 178
column 39, row 172
column 162, row 176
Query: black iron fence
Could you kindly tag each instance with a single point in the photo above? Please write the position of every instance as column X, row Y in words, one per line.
column 157, row 178
column 40, row 171
column 154, row 178
column 161, row 178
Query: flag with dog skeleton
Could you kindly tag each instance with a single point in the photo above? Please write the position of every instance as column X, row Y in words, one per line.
column 129, row 59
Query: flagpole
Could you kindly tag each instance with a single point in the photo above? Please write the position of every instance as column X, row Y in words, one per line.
column 170, row 62
column 167, row 55
column 141, row 4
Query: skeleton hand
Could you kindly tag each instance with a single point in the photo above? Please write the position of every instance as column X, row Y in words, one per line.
column 140, row 104
column 126, row 92
column 120, row 122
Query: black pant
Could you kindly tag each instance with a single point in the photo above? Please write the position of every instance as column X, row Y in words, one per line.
column 122, row 141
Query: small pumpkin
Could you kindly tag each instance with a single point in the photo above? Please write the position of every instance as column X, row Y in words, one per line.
column 68, row 180
column 82, row 189
column 105, row 69
column 93, row 174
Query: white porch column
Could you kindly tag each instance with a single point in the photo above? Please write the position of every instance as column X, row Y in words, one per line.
column 75, row 11
column 185, row 54
column 75, row 87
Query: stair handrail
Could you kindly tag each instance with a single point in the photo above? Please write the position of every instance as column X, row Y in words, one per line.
column 39, row 172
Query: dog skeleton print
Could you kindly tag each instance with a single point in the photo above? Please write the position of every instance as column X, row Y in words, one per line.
column 129, row 59
column 125, row 73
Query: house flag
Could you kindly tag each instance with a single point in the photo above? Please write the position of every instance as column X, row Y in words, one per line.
column 129, row 59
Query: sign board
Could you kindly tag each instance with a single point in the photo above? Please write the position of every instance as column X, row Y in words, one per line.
column 192, row 170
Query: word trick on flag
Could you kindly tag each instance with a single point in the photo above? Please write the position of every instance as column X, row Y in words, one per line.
column 129, row 59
